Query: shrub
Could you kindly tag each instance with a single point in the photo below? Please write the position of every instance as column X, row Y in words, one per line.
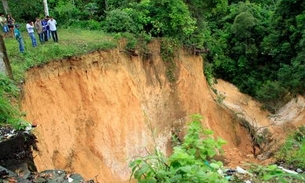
column 168, row 50
column 292, row 152
column 273, row 174
column 270, row 94
column 85, row 24
column 118, row 21
column 190, row 162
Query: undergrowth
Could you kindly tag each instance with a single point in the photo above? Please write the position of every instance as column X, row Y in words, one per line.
column 292, row 152
column 190, row 162
column 9, row 111
column 169, row 49
column 271, row 174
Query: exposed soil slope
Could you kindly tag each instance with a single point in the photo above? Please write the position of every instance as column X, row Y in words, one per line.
column 95, row 112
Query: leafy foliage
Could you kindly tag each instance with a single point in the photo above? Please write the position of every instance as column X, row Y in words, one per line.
column 252, row 43
column 272, row 173
column 119, row 21
column 169, row 48
column 189, row 161
column 9, row 114
column 292, row 153
column 64, row 11
column 270, row 93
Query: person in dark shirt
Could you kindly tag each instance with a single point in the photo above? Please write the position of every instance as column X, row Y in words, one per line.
column 44, row 23
column 10, row 23
column 48, row 28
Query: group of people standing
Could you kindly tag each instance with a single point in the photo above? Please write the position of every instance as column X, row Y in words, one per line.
column 44, row 27
column 7, row 24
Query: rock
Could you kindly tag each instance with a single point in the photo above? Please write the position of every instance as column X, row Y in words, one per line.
column 22, row 180
column 16, row 160
column 77, row 178
column 250, row 156
column 6, row 173
column 241, row 170
column 39, row 180
column 299, row 170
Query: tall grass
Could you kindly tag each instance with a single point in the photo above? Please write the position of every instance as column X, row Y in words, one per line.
column 9, row 111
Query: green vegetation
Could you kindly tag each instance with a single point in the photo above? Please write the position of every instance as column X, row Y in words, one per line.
column 272, row 174
column 169, row 48
column 9, row 113
column 193, row 160
column 256, row 45
column 292, row 153
column 72, row 42
column 190, row 161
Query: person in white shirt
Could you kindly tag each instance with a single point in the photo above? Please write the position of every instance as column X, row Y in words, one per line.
column 52, row 24
column 30, row 28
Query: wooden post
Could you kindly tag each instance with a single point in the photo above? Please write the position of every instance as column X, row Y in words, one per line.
column 4, row 58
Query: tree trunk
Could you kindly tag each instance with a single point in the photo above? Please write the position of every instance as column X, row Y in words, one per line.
column 46, row 8
column 4, row 58
column 106, row 5
column 5, row 6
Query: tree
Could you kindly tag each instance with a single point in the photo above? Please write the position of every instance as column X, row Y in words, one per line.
column 171, row 17
column 91, row 9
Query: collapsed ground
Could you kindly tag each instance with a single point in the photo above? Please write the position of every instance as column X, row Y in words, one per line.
column 96, row 112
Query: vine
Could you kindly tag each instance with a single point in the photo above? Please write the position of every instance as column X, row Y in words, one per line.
column 169, row 48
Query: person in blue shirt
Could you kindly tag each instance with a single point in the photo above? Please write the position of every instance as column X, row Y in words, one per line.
column 18, row 37
column 44, row 23
column 48, row 28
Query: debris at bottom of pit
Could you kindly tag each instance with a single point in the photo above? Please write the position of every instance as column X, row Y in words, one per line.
column 16, row 148
column 46, row 176
column 16, row 160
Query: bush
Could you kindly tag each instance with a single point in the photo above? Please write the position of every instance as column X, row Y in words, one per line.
column 64, row 11
column 119, row 21
column 273, row 95
column 292, row 152
column 190, row 162
column 272, row 174
column 85, row 24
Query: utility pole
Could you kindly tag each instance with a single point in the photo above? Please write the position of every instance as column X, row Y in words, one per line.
column 5, row 65
column 5, row 6
column 46, row 8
